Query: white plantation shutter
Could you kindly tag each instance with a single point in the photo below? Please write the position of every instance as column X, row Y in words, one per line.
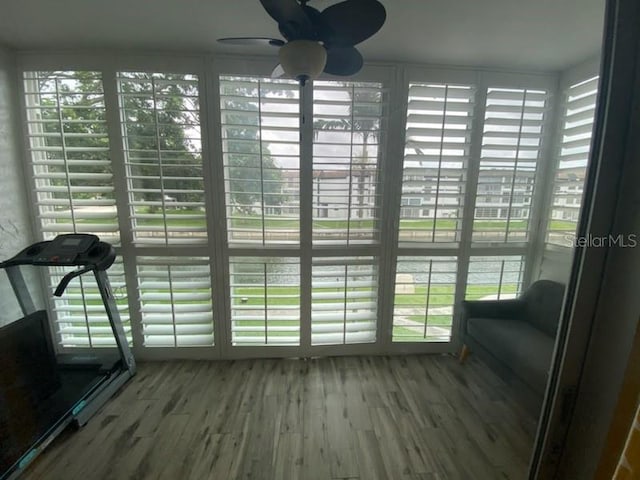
column 260, row 120
column 511, row 151
column 265, row 301
column 424, row 297
column 69, row 153
column 574, row 150
column 436, row 158
column 175, row 301
column 348, row 121
column 344, row 300
column 495, row 277
column 79, row 316
column 166, row 186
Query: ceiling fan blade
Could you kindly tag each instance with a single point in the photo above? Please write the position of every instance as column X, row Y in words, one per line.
column 273, row 42
column 292, row 20
column 351, row 22
column 278, row 72
column 343, row 61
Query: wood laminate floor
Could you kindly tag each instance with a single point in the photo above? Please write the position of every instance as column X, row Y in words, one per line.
column 411, row 417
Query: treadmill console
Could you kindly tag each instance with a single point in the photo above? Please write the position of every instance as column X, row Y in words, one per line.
column 65, row 249
column 73, row 249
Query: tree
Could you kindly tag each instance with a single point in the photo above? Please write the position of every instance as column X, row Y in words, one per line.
column 72, row 103
column 363, row 120
column 158, row 111
column 155, row 120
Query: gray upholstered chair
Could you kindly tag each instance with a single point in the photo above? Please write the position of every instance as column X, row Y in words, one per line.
column 515, row 337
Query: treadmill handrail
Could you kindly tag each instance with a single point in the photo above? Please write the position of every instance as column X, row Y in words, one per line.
column 62, row 286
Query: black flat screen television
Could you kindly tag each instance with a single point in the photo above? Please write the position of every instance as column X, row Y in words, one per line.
column 28, row 377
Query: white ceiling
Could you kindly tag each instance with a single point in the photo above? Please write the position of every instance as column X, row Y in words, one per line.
column 521, row 34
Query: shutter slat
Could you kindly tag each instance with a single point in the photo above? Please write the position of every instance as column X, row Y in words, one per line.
column 508, row 164
column 347, row 303
column 573, row 152
column 175, row 301
column 434, row 169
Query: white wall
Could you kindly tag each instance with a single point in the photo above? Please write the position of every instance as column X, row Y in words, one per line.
column 15, row 226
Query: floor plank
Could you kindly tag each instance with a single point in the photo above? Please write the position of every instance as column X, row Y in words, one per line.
column 410, row 417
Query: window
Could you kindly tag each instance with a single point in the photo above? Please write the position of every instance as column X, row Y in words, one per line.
column 494, row 277
column 436, row 158
column 265, row 301
column 347, row 123
column 511, row 149
column 160, row 117
column 73, row 177
column 261, row 154
column 305, row 252
column 424, row 298
column 69, row 153
column 344, row 300
column 575, row 147
column 175, row 301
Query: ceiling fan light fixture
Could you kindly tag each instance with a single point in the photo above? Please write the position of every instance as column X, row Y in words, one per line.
column 303, row 59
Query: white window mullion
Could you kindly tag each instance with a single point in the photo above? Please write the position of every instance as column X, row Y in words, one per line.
column 543, row 192
column 261, row 146
column 121, row 184
column 306, row 215
column 394, row 147
column 471, row 187
column 215, row 203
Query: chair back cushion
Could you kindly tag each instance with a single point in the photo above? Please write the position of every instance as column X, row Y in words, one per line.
column 543, row 301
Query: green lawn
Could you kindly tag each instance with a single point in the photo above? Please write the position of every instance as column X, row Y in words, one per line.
column 288, row 223
column 439, row 296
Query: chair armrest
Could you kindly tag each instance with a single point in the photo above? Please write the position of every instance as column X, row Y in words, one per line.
column 505, row 309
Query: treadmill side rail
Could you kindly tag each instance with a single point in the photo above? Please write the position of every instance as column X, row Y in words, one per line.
column 20, row 289
column 114, row 319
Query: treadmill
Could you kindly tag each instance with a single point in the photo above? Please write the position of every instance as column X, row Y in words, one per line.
column 41, row 391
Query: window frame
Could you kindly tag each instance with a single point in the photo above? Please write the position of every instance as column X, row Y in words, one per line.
column 395, row 77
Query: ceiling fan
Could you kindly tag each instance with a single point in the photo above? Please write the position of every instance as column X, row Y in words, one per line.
column 318, row 41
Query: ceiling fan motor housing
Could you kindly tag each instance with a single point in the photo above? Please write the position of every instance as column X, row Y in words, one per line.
column 303, row 59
